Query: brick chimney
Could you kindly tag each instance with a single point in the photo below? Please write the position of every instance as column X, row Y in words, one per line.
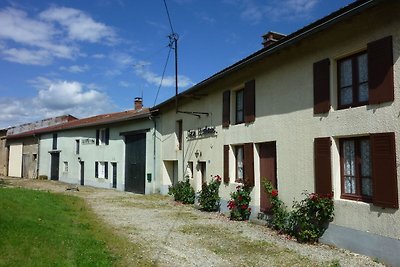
column 138, row 103
column 271, row 37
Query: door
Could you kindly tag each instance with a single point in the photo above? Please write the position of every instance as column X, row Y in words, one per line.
column 25, row 165
column 82, row 172
column 135, row 163
column 267, row 172
column 202, row 169
column 55, row 165
column 114, row 174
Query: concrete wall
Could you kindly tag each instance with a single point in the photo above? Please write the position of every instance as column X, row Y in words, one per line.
column 284, row 113
column 89, row 153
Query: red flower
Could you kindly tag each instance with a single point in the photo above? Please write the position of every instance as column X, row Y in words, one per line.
column 218, row 178
column 313, row 196
column 244, row 206
column 250, row 209
column 274, row 193
column 240, row 198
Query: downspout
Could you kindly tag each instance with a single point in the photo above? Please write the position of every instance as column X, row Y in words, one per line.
column 154, row 149
column 37, row 156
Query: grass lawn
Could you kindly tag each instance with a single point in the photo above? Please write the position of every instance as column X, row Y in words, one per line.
column 44, row 229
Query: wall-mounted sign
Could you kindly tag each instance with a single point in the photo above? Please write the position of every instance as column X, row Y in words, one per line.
column 88, row 141
column 203, row 132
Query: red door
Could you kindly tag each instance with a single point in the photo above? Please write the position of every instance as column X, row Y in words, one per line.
column 267, row 172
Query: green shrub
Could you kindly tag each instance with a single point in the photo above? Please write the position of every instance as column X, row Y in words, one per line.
column 209, row 199
column 308, row 219
column 182, row 192
column 239, row 204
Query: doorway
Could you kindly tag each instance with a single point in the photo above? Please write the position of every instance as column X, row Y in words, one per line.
column 135, row 163
column 267, row 172
column 114, row 174
column 82, row 163
column 55, row 166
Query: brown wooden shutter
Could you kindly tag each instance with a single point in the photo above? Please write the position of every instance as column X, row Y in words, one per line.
column 322, row 102
column 249, row 95
column 248, row 165
column 380, row 71
column 384, row 173
column 226, row 108
column 322, row 165
column 226, row 164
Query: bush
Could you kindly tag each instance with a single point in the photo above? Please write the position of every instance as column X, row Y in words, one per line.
column 182, row 192
column 209, row 195
column 239, row 204
column 308, row 219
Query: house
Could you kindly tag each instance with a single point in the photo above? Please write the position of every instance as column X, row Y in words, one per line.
column 115, row 150
column 21, row 146
column 317, row 111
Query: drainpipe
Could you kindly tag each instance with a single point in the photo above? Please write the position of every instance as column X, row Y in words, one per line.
column 154, row 149
column 37, row 155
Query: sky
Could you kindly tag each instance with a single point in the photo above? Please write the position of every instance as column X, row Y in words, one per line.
column 95, row 56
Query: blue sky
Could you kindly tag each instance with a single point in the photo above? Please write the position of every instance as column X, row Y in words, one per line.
column 95, row 56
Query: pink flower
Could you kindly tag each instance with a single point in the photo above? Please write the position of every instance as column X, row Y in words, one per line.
column 313, row 196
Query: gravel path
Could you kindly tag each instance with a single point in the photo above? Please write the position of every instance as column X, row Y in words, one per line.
column 172, row 234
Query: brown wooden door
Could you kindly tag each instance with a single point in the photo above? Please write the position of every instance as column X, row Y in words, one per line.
column 267, row 172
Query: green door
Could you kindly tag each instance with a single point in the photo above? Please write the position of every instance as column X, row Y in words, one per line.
column 135, row 163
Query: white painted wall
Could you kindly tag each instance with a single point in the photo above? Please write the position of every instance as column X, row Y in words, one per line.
column 89, row 153
column 284, row 113
column 15, row 161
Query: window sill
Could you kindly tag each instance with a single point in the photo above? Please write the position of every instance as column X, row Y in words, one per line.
column 356, row 198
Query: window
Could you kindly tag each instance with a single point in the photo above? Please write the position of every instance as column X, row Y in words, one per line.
column 54, row 141
column 65, row 166
column 101, row 169
column 102, row 136
column 77, row 147
column 179, row 133
column 356, row 165
column 353, row 81
column 239, row 107
column 239, row 155
column 244, row 167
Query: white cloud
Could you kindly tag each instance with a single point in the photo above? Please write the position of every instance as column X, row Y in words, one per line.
column 79, row 25
column 125, row 84
column 98, row 56
column 55, row 98
column 55, row 33
column 142, row 70
column 76, row 68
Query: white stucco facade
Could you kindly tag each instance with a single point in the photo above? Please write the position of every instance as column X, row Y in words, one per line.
column 89, row 153
column 284, row 114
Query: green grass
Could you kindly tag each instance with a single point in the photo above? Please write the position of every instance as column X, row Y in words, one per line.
column 43, row 229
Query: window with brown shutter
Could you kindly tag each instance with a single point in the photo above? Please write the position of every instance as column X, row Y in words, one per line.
column 368, row 169
column 322, row 101
column 226, row 107
column 249, row 101
column 380, row 69
column 322, row 165
column 384, row 171
column 248, row 165
column 226, row 164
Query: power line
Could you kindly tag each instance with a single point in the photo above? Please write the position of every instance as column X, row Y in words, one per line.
column 169, row 18
column 162, row 76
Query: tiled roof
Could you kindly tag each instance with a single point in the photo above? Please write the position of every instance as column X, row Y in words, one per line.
column 87, row 122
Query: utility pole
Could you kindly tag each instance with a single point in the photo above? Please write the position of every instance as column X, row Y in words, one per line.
column 173, row 43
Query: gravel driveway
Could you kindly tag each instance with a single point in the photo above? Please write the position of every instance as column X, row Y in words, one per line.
column 172, row 234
